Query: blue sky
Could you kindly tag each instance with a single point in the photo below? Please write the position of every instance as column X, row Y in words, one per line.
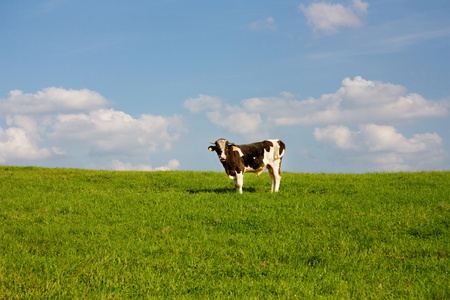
column 348, row 85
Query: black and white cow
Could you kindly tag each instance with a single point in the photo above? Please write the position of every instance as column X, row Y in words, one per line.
column 256, row 157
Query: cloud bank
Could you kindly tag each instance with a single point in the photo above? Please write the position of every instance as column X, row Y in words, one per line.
column 58, row 123
column 385, row 148
column 356, row 101
column 356, row 121
column 371, row 105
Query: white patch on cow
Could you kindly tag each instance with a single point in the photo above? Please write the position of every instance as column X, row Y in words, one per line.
column 222, row 143
column 275, row 150
column 269, row 155
column 238, row 150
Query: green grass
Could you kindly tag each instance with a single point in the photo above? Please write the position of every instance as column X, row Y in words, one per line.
column 68, row 233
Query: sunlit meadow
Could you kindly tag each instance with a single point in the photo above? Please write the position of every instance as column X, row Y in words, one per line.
column 68, row 233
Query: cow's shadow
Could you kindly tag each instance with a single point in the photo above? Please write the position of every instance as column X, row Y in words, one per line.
column 219, row 190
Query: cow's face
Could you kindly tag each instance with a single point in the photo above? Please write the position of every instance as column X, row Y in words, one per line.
column 220, row 147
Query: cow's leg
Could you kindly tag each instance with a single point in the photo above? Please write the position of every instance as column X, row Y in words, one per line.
column 235, row 179
column 239, row 182
column 275, row 175
column 277, row 181
column 272, row 177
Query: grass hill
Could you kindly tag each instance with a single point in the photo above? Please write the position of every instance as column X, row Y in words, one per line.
column 67, row 233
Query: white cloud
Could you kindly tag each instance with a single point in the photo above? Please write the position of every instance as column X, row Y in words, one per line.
column 77, row 123
column 365, row 92
column 360, row 6
column 17, row 145
column 327, row 17
column 28, row 124
column 386, row 138
column 107, row 131
column 357, row 101
column 236, row 120
column 51, row 100
column 120, row 166
column 172, row 165
column 266, row 25
column 233, row 118
column 385, row 148
column 336, row 136
column 202, row 103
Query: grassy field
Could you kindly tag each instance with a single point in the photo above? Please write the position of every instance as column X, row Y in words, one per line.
column 68, row 233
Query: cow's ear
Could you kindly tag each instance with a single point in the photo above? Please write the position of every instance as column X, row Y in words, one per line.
column 210, row 148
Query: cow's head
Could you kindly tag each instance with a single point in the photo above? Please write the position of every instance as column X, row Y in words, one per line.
column 220, row 146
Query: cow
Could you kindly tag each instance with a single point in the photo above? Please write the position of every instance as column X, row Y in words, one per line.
column 255, row 157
